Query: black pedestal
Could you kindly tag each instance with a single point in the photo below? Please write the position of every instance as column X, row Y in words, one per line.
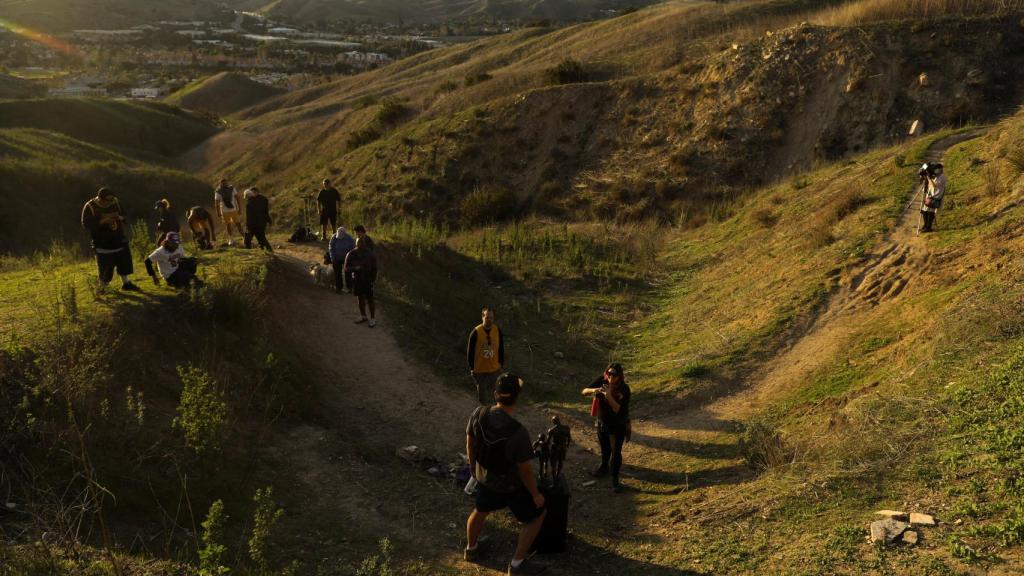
column 554, row 533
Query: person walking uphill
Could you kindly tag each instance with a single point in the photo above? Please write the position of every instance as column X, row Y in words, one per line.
column 328, row 204
column 500, row 459
column 485, row 354
column 361, row 264
column 611, row 407
column 341, row 244
column 103, row 218
column 935, row 190
column 257, row 218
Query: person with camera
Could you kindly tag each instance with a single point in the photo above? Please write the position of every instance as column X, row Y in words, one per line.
column 485, row 354
column 611, row 408
column 934, row 181
column 500, row 459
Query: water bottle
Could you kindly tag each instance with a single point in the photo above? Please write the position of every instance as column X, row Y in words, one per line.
column 470, row 486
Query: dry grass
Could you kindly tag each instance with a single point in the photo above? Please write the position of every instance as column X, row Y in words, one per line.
column 864, row 11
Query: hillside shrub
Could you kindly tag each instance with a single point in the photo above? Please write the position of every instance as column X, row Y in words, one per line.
column 390, row 111
column 362, row 136
column 486, row 205
column 476, row 78
column 264, row 519
column 379, row 564
column 763, row 448
column 202, row 411
column 211, row 555
column 568, row 71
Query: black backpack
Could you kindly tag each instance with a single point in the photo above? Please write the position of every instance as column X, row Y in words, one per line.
column 227, row 197
column 491, row 447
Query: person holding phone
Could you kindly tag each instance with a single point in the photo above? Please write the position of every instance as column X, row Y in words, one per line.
column 611, row 408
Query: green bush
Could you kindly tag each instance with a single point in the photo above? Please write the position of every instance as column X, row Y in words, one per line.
column 202, row 411
column 486, row 205
column 477, row 78
column 763, row 447
column 390, row 111
column 212, row 553
column 378, row 564
column 266, row 516
column 568, row 71
column 362, row 137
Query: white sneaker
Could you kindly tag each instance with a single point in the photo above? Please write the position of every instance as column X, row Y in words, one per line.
column 373, row 323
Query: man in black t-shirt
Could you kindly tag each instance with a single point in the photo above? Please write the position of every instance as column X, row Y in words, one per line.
column 500, row 456
column 328, row 204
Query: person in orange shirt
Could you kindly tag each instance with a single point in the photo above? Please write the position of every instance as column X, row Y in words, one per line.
column 485, row 355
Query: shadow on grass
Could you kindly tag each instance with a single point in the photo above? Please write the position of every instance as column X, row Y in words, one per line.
column 708, row 450
column 684, row 480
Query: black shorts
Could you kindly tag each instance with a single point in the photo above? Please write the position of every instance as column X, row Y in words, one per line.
column 520, row 503
column 121, row 261
column 329, row 217
column 362, row 287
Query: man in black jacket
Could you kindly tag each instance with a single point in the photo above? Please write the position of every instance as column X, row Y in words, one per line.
column 257, row 218
column 103, row 218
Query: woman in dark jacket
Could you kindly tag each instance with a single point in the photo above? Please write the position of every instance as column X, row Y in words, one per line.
column 611, row 408
column 361, row 267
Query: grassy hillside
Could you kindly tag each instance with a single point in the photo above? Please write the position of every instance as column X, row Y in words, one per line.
column 14, row 87
column 135, row 127
column 444, row 10
column 666, row 112
column 56, row 153
column 66, row 15
column 223, row 94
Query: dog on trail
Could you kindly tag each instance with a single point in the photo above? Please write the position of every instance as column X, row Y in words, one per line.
column 323, row 275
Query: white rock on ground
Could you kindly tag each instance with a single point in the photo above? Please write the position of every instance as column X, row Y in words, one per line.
column 909, row 537
column 919, row 519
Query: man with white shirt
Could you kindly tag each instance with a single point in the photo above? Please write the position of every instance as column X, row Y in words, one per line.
column 178, row 270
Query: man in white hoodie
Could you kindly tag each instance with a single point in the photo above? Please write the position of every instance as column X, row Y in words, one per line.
column 935, row 191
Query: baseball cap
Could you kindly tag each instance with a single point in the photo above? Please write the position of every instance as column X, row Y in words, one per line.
column 508, row 387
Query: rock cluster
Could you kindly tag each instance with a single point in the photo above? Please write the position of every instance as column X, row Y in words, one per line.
column 897, row 526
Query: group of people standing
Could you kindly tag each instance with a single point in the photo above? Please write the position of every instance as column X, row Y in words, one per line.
column 499, row 450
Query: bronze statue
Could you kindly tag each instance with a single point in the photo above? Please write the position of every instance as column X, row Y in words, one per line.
column 559, row 438
column 542, row 450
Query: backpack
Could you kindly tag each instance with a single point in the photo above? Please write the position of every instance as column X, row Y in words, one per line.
column 491, row 447
column 227, row 196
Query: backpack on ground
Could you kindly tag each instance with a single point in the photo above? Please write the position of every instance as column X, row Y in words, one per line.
column 491, row 447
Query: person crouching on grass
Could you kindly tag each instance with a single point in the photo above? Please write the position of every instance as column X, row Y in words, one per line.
column 611, row 407
column 500, row 458
column 177, row 270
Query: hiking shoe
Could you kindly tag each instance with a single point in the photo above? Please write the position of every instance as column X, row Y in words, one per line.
column 373, row 323
column 527, row 567
column 129, row 287
column 361, row 320
column 476, row 554
column 616, row 485
column 601, row 472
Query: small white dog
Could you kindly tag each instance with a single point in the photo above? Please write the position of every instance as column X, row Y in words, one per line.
column 323, row 275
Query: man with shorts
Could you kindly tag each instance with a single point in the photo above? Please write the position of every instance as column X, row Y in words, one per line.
column 103, row 218
column 226, row 200
column 500, row 456
column 485, row 355
column 328, row 204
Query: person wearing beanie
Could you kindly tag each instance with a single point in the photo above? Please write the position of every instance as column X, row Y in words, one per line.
column 178, row 270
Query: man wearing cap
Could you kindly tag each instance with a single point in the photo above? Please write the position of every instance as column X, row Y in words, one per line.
column 485, row 354
column 103, row 218
column 341, row 244
column 935, row 190
column 176, row 269
column 500, row 456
